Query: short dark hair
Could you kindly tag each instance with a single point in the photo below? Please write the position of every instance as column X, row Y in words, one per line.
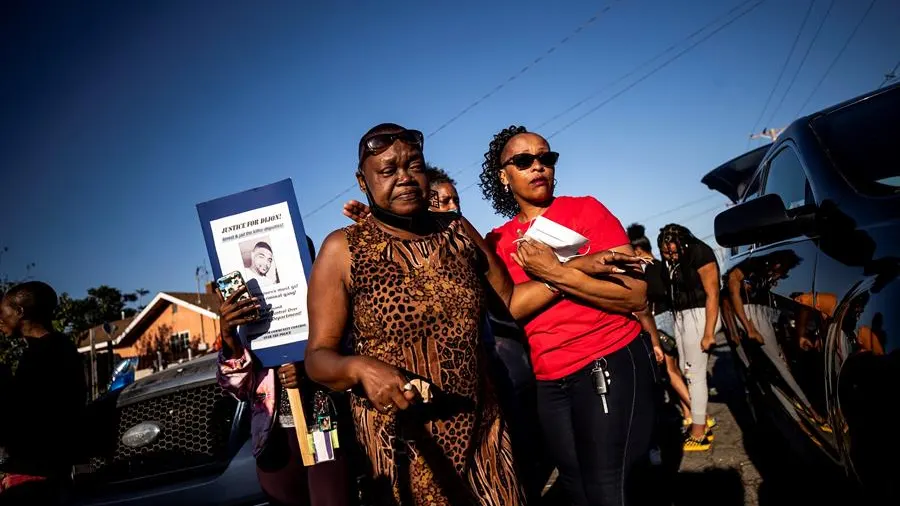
column 264, row 245
column 38, row 300
column 437, row 175
column 502, row 200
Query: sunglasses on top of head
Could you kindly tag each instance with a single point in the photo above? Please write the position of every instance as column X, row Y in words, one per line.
column 525, row 160
column 378, row 143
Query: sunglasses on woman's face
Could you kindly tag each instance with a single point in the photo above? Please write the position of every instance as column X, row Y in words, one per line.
column 378, row 143
column 525, row 160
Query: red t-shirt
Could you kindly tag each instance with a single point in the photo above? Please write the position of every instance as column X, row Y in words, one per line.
column 569, row 335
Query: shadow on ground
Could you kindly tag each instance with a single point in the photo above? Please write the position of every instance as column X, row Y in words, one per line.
column 713, row 487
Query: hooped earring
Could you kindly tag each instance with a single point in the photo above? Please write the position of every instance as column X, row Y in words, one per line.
column 506, row 188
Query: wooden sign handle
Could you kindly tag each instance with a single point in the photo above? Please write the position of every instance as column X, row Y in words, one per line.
column 306, row 451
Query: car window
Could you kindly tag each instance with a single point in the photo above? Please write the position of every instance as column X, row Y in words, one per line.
column 787, row 179
column 862, row 138
column 752, row 190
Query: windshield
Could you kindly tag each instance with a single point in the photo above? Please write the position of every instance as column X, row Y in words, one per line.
column 863, row 139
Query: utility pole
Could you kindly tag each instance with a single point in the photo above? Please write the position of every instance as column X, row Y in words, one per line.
column 94, row 390
column 201, row 270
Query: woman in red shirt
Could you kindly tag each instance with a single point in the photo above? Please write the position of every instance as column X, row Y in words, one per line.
column 593, row 364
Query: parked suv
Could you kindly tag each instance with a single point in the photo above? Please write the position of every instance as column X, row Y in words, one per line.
column 811, row 299
column 169, row 439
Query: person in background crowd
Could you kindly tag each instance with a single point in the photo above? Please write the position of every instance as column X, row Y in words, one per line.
column 48, row 386
column 659, row 311
column 279, row 465
column 693, row 281
column 594, row 366
column 411, row 286
column 444, row 197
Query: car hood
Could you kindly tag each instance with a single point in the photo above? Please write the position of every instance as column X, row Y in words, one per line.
column 176, row 377
column 732, row 177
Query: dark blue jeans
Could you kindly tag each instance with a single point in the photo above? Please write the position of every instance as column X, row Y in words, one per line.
column 602, row 457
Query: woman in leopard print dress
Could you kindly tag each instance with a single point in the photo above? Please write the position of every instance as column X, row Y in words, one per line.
column 412, row 287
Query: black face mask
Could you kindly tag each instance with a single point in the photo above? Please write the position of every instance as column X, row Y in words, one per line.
column 419, row 223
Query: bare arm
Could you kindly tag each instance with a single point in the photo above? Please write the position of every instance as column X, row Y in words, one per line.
column 709, row 276
column 649, row 325
column 619, row 293
column 328, row 305
column 523, row 300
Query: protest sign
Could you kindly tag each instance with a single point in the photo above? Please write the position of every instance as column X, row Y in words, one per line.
column 259, row 233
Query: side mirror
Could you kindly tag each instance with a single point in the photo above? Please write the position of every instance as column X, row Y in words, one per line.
column 761, row 220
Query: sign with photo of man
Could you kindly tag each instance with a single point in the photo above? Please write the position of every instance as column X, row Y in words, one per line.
column 259, row 234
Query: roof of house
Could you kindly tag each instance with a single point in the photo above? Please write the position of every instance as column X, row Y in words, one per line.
column 208, row 306
column 208, row 301
column 100, row 335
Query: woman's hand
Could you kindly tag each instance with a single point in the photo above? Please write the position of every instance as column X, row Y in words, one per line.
column 659, row 354
column 536, row 258
column 708, row 342
column 289, row 375
column 356, row 211
column 385, row 386
column 607, row 262
column 233, row 313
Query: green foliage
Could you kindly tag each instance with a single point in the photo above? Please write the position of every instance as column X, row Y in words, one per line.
column 102, row 304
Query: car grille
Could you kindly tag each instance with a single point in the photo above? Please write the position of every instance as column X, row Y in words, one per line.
column 195, row 425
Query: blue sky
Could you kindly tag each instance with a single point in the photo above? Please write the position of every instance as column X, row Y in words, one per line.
column 118, row 120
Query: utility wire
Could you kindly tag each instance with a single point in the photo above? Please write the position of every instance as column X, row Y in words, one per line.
column 644, row 64
column 678, row 208
column 526, row 68
column 656, row 69
column 784, row 67
column 837, row 56
column 494, row 91
column 645, row 77
column 802, row 62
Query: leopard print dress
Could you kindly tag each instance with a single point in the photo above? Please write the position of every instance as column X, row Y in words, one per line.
column 418, row 305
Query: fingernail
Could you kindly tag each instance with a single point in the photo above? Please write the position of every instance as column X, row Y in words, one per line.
column 618, row 270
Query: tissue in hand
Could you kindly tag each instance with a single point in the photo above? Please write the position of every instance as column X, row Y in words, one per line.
column 564, row 241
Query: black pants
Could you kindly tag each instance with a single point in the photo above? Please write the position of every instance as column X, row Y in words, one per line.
column 602, row 457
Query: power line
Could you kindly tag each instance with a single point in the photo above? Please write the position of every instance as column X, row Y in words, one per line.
column 784, row 67
column 837, row 56
column 890, row 76
column 526, row 68
column 496, row 89
column 649, row 74
column 678, row 208
column 656, row 69
column 802, row 62
column 702, row 213
column 642, row 65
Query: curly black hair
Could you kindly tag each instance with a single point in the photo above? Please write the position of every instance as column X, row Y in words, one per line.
column 500, row 197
